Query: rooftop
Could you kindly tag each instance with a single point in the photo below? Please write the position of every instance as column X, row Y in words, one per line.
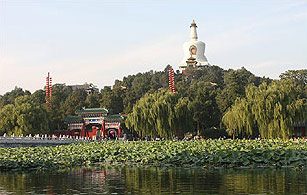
column 92, row 110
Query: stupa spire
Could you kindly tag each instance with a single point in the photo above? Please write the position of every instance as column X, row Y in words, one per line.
column 193, row 31
column 194, row 51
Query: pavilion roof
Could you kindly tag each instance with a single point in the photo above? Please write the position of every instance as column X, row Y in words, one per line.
column 115, row 116
column 92, row 111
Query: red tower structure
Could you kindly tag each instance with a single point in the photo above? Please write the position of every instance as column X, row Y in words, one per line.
column 171, row 80
column 48, row 90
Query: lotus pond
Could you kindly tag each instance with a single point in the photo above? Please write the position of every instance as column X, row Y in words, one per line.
column 203, row 153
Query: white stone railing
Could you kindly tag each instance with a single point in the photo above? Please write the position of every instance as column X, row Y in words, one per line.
column 41, row 139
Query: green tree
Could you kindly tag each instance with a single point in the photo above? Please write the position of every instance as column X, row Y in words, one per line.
column 299, row 77
column 239, row 119
column 276, row 108
column 203, row 106
column 7, row 119
column 75, row 101
column 39, row 96
column 9, row 97
column 24, row 117
column 160, row 114
column 235, row 82
column 183, row 115
column 112, row 100
column 92, row 100
column 60, row 92
column 272, row 109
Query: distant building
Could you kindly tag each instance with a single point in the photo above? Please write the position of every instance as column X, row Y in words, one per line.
column 194, row 51
column 89, row 88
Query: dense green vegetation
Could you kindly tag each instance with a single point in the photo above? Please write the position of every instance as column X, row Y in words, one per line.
column 160, row 114
column 24, row 116
column 207, row 153
column 210, row 99
column 270, row 110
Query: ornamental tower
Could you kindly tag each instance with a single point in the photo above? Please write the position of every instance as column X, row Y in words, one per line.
column 48, row 90
column 194, row 51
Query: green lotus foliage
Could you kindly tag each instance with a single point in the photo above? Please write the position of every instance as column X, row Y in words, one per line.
column 207, row 153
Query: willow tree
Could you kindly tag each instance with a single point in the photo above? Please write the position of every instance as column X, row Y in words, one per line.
column 239, row 119
column 160, row 114
column 271, row 109
column 183, row 115
column 139, row 119
column 276, row 107
column 24, row 117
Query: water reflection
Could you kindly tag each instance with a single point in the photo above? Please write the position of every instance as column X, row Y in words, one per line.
column 153, row 180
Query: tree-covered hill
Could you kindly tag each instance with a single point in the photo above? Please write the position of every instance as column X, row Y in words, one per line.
column 206, row 94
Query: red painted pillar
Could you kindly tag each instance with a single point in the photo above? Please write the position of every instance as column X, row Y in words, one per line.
column 83, row 130
column 103, row 128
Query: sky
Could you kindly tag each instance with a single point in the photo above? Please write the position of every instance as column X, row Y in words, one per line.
column 99, row 41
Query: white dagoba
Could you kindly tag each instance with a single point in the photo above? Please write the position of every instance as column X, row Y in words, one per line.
column 194, row 51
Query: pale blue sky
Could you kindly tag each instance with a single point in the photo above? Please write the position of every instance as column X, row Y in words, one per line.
column 96, row 41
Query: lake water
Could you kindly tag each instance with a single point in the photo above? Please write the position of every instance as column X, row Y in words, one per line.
column 153, row 180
